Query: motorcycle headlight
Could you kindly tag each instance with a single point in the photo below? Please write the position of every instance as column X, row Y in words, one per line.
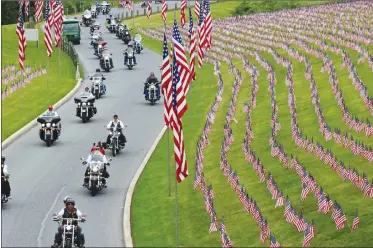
column 48, row 125
column 68, row 227
column 99, row 46
column 53, row 124
column 110, row 133
column 78, row 104
column 43, row 125
column 95, row 170
column 88, row 103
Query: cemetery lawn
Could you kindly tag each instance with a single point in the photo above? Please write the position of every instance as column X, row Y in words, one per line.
column 153, row 211
column 27, row 103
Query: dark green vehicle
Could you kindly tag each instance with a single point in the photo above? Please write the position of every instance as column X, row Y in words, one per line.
column 71, row 30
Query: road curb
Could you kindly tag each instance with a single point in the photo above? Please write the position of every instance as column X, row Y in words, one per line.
column 127, row 204
column 32, row 123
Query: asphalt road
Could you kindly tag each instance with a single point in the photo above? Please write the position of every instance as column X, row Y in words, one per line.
column 41, row 177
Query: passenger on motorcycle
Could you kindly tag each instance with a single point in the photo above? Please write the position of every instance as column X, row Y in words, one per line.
column 99, row 74
column 98, row 156
column 116, row 123
column 152, row 78
column 127, row 51
column 89, row 94
column 70, row 211
column 98, row 147
column 5, row 187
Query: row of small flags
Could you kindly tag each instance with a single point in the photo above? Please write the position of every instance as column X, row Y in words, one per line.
column 29, row 75
column 53, row 16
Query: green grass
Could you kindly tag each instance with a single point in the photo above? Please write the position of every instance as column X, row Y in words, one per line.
column 27, row 103
column 153, row 211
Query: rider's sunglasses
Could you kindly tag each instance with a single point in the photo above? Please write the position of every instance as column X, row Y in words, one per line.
column 70, row 204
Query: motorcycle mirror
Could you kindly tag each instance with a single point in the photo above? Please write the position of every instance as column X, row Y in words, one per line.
column 82, row 158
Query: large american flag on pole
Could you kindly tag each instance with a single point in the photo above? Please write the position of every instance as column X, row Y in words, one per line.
column 130, row 5
column 179, row 149
column 201, row 37
column 182, row 12
column 38, row 10
column 183, row 66
column 207, row 24
column 164, row 10
column 166, row 79
column 149, row 9
column 27, row 6
column 20, row 31
column 47, row 28
column 192, row 51
column 58, row 20
column 197, row 7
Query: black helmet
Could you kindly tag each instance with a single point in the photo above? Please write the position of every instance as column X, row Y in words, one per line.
column 70, row 200
column 115, row 116
column 2, row 158
column 98, row 70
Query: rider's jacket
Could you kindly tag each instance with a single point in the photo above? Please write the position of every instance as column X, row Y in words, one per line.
column 66, row 214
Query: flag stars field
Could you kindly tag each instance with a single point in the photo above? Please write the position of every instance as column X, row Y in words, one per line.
column 281, row 157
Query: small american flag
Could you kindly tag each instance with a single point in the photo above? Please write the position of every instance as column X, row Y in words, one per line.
column 274, row 243
column 356, row 222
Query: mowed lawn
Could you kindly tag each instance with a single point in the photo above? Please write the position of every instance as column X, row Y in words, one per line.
column 153, row 211
column 27, row 103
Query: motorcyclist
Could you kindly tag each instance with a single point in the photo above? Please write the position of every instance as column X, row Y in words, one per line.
column 99, row 74
column 70, row 211
column 85, row 93
column 152, row 79
column 110, row 61
column 5, row 187
column 98, row 147
column 97, row 42
column 96, row 155
column 127, row 51
column 93, row 26
column 116, row 123
column 52, row 112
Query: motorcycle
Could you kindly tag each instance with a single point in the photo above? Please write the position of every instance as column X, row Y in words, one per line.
column 4, row 198
column 130, row 55
column 111, row 26
column 94, row 12
column 94, row 28
column 69, row 237
column 137, row 43
column 114, row 145
column 97, row 89
column 152, row 90
column 96, row 182
column 85, row 103
column 126, row 36
column 49, row 131
column 99, row 51
column 119, row 31
column 96, row 36
column 105, row 63
column 87, row 18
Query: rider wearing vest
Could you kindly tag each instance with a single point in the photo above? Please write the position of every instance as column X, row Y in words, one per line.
column 5, row 187
column 70, row 211
column 119, row 124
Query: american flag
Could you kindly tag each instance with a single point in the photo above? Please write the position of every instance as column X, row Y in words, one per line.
column 164, row 10
column 274, row 243
column 149, row 9
column 192, row 51
column 190, row 24
column 122, row 3
column 166, row 80
column 208, row 25
column 130, row 5
column 58, row 20
column 179, row 149
column 197, row 7
column 27, row 6
column 47, row 27
column 38, row 10
column 182, row 12
column 20, row 31
column 183, row 66
column 356, row 222
column 201, row 36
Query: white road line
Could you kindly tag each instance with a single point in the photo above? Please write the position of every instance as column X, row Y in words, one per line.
column 48, row 216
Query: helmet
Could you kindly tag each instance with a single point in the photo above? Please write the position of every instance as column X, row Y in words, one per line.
column 50, row 108
column 98, row 70
column 70, row 200
column 115, row 116
column 66, row 198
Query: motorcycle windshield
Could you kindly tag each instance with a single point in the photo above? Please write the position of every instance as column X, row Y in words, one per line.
column 129, row 51
column 87, row 14
column 137, row 38
column 113, row 22
column 96, row 157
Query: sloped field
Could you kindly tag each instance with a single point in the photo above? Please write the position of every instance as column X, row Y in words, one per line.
column 287, row 143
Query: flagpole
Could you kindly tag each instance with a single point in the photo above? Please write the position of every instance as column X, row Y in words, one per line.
column 168, row 136
column 176, row 195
